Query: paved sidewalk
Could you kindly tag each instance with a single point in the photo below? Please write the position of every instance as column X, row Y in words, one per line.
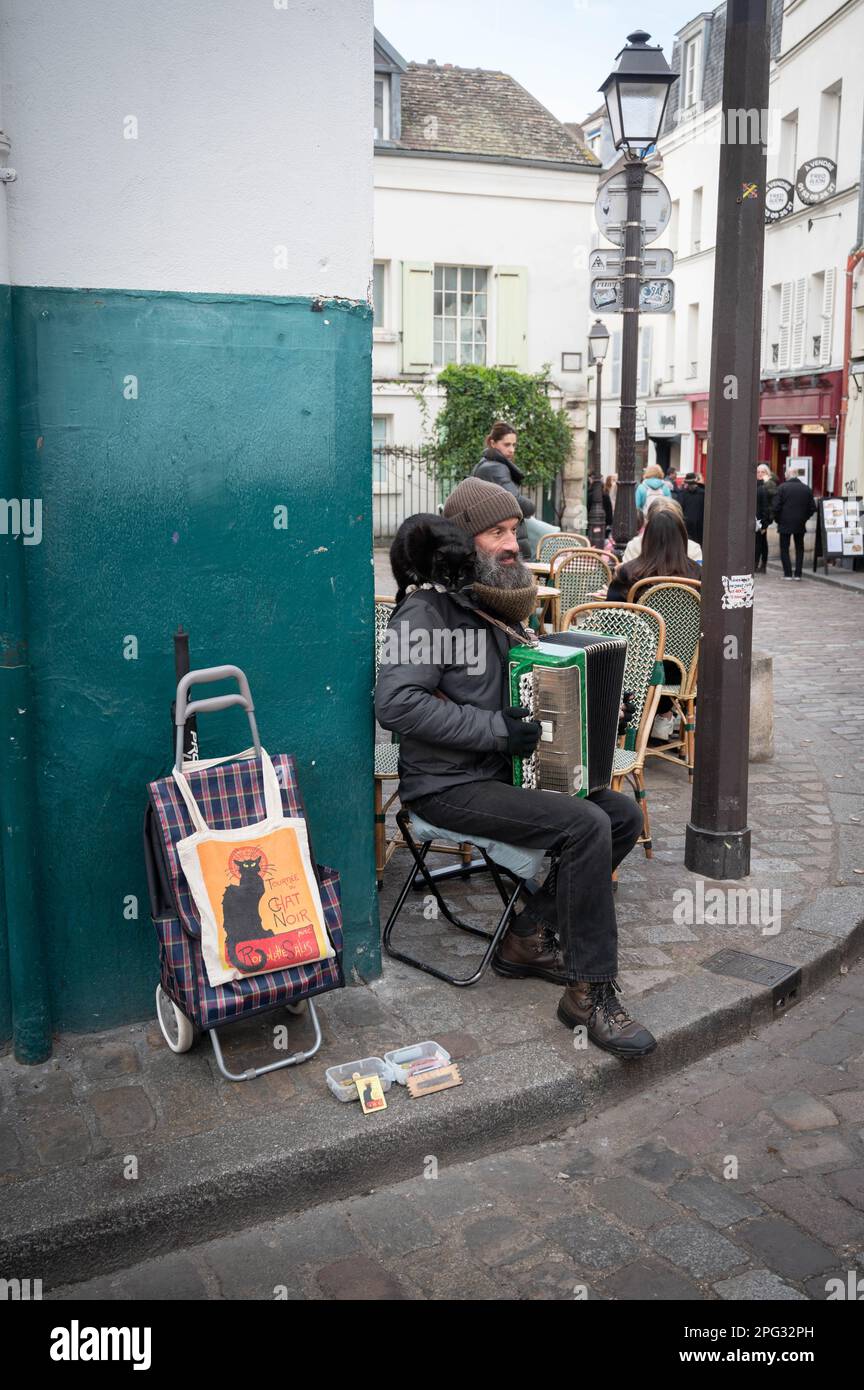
column 210, row 1156
column 740, row 1178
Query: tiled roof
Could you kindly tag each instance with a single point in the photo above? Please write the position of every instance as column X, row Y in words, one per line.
column 472, row 111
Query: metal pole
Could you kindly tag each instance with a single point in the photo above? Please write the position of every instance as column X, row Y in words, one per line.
column 718, row 838
column 596, row 514
column 624, row 523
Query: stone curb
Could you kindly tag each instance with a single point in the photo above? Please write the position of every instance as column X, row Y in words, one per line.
column 841, row 581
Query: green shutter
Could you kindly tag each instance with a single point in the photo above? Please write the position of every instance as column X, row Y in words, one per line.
column 417, row 279
column 511, row 314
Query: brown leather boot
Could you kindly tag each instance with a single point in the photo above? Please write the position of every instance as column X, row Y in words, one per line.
column 593, row 1004
column 537, row 955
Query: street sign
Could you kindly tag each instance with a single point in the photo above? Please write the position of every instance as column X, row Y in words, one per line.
column 610, row 208
column 656, row 296
column 656, row 260
column 607, row 296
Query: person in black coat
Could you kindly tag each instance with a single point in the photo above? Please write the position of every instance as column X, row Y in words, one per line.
column 792, row 508
column 691, row 499
column 497, row 466
column 764, row 497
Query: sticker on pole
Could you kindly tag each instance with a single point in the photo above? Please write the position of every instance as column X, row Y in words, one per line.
column 737, row 591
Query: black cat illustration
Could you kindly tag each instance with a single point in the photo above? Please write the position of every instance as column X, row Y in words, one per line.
column 241, row 920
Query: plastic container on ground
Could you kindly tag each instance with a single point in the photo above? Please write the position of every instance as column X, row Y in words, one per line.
column 340, row 1080
column 400, row 1061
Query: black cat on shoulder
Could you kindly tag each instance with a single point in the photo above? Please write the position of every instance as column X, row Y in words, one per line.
column 429, row 549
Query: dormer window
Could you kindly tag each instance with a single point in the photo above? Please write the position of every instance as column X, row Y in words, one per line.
column 691, row 71
column 382, row 108
column 388, row 68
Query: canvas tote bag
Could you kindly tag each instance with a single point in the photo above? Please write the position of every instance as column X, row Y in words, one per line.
column 254, row 887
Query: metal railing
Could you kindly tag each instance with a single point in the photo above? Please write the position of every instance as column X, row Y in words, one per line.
column 404, row 482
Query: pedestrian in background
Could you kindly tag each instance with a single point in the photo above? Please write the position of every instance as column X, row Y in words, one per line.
column 497, row 466
column 692, row 500
column 653, row 484
column 764, row 499
column 792, row 508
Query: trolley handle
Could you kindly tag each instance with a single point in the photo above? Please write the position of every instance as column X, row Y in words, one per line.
column 185, row 708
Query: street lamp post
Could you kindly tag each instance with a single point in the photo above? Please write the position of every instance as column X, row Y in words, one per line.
column 636, row 94
column 598, row 344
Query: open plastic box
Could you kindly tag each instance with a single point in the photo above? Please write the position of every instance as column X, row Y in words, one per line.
column 341, row 1079
column 399, row 1061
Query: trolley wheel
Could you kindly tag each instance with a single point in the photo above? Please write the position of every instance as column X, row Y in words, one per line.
column 298, row 1008
column 177, row 1030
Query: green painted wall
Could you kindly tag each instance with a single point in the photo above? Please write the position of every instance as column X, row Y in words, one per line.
column 158, row 511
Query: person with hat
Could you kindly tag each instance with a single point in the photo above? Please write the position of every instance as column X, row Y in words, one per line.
column 458, row 736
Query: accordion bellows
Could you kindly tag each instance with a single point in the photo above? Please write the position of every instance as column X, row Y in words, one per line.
column 572, row 683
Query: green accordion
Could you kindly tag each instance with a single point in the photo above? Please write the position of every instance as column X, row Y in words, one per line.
column 572, row 683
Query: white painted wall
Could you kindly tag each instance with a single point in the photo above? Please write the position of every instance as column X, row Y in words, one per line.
column 808, row 64
column 254, row 132
column 464, row 213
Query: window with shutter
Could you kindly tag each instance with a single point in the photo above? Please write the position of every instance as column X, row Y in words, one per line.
column 799, row 321
column 417, row 316
column 460, row 314
column 645, row 335
column 615, row 382
column 511, row 314
column 785, row 326
column 827, row 317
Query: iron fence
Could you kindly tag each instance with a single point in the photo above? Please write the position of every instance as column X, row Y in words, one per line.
column 404, row 482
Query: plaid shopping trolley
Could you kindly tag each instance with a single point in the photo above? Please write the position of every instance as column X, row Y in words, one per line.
column 231, row 795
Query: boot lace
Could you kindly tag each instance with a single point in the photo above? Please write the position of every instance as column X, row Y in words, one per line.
column 603, row 994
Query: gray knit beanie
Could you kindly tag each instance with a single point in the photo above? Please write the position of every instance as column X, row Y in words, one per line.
column 474, row 506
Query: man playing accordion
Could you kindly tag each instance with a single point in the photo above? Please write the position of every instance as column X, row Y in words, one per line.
column 459, row 734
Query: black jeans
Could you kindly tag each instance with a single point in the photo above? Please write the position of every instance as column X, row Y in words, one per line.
column 591, row 835
column 761, row 548
column 799, row 554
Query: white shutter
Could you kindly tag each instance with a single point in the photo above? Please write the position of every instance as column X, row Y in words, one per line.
column 511, row 314
column 645, row 361
column 785, row 327
column 827, row 317
column 615, row 384
column 763, row 341
column 799, row 321
column 417, row 278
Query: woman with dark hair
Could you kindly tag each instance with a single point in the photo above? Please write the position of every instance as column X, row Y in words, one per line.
column 497, row 466
column 664, row 551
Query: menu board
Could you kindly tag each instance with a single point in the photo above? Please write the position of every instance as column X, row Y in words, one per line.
column 840, row 527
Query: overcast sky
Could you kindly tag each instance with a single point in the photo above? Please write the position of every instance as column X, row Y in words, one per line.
column 560, row 50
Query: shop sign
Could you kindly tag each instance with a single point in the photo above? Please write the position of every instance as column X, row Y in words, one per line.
column 816, row 180
column 779, row 197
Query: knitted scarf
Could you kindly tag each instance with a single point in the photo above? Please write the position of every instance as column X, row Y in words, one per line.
column 513, row 604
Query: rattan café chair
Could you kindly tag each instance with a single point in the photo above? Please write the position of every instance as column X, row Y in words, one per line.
column 644, row 630
column 549, row 546
column 679, row 603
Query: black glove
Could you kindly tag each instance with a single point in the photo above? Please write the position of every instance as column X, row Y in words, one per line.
column 523, row 734
column 628, row 703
